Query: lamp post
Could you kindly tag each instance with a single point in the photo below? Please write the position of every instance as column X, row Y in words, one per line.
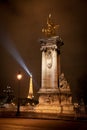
column 19, row 77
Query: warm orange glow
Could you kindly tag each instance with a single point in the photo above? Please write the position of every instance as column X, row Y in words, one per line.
column 30, row 94
column 19, row 76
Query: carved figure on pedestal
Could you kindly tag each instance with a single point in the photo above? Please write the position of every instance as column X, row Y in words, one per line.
column 63, row 82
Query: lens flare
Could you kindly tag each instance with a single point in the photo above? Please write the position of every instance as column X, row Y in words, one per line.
column 7, row 44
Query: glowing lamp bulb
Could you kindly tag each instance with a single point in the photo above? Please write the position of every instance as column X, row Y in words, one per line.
column 19, row 76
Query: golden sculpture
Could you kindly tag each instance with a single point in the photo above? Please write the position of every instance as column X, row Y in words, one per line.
column 51, row 28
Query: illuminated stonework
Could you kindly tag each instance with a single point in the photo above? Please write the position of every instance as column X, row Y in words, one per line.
column 49, row 48
column 49, row 99
column 55, row 94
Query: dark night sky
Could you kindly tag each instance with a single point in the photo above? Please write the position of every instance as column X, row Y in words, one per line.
column 22, row 21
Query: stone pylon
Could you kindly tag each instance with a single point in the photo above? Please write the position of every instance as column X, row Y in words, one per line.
column 49, row 94
column 54, row 97
column 49, row 97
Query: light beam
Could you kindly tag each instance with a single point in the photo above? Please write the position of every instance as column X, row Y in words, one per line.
column 7, row 44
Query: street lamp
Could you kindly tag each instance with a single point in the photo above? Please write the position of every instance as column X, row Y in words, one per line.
column 19, row 77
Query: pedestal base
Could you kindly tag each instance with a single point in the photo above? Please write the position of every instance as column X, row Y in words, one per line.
column 67, row 109
column 48, row 108
column 48, row 103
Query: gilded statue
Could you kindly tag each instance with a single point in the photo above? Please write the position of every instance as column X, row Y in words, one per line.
column 51, row 28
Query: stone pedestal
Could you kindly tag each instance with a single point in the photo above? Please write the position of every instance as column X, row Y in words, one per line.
column 49, row 97
column 55, row 94
column 49, row 101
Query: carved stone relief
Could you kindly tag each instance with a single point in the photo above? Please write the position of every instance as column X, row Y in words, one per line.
column 49, row 58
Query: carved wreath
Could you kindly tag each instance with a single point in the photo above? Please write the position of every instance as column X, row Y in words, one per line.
column 49, row 58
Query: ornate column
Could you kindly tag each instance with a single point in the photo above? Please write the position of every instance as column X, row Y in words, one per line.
column 52, row 94
column 50, row 64
column 49, row 97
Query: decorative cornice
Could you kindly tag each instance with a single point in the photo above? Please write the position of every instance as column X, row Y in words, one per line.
column 51, row 43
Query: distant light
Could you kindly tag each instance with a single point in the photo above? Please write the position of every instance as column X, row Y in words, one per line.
column 19, row 76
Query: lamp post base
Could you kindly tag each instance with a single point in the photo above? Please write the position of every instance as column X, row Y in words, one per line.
column 17, row 113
